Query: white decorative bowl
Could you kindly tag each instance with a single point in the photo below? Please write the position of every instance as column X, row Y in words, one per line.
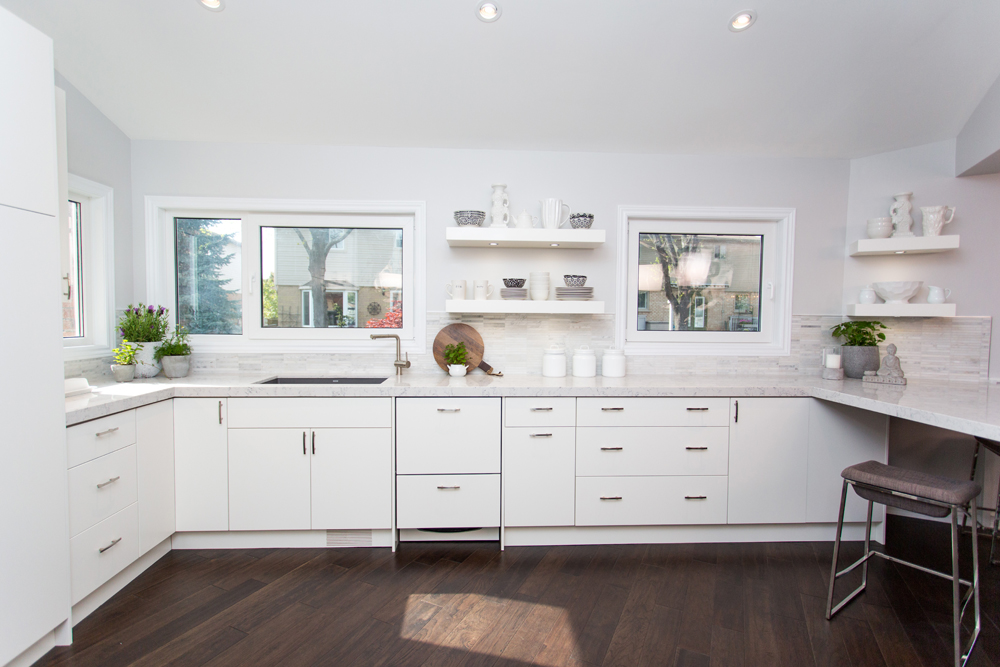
column 899, row 291
column 879, row 228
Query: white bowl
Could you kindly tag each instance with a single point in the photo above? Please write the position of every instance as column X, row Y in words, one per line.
column 899, row 291
column 879, row 228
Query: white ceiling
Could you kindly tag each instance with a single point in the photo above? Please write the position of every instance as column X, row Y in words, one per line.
column 845, row 78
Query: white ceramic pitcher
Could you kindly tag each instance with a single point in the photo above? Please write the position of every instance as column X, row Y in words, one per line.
column 936, row 217
column 552, row 213
column 524, row 220
column 937, row 294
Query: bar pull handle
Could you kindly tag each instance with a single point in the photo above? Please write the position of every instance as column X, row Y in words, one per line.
column 695, row 449
column 303, row 443
column 541, row 409
column 449, row 409
column 448, row 488
column 108, row 432
column 611, row 449
column 612, row 409
column 736, row 416
column 697, row 409
column 113, row 543
column 220, row 412
column 695, row 497
column 611, row 497
column 110, row 481
column 540, row 435
column 314, row 442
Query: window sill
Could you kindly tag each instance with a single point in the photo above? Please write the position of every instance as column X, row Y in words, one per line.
column 668, row 349
column 83, row 352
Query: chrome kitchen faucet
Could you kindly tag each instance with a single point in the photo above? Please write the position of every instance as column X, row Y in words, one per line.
column 400, row 364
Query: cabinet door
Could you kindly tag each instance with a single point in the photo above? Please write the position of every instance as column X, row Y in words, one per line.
column 351, row 478
column 768, row 449
column 539, row 476
column 447, row 436
column 269, row 479
column 154, row 426
column 201, row 464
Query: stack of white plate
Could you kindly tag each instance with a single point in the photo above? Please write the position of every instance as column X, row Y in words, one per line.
column 574, row 293
column 539, row 284
column 514, row 293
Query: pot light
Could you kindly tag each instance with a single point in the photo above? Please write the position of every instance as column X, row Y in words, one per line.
column 213, row 5
column 488, row 11
column 494, row 243
column 900, row 252
column 742, row 20
column 554, row 245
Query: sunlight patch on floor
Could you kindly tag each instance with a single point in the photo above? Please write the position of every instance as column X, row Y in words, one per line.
column 536, row 633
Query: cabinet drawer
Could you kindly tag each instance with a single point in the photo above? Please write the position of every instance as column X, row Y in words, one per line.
column 118, row 536
column 539, row 477
column 652, row 450
column 87, row 441
column 652, row 411
column 650, row 501
column 540, row 411
column 100, row 488
column 447, row 436
column 297, row 412
column 447, row 501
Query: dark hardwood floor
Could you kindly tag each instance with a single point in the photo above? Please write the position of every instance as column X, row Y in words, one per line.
column 471, row 605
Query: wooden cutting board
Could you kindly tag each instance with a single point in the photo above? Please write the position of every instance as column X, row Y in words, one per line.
column 454, row 334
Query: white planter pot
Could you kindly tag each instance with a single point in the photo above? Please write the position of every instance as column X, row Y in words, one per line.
column 145, row 365
column 457, row 370
column 123, row 373
column 176, row 366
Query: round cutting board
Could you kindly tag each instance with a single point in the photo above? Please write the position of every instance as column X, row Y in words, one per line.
column 459, row 333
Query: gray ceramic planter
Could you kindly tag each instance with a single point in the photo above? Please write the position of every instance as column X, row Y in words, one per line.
column 176, row 366
column 858, row 359
column 123, row 373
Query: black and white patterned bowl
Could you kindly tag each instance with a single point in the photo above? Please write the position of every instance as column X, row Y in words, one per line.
column 575, row 281
column 581, row 220
column 513, row 282
column 470, row 218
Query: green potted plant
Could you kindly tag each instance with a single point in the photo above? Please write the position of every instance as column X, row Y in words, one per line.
column 125, row 358
column 860, row 348
column 456, row 357
column 144, row 324
column 174, row 353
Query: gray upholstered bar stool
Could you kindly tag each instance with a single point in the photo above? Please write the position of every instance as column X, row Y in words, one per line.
column 925, row 494
column 992, row 446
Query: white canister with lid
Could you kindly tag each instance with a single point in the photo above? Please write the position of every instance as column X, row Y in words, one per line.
column 554, row 362
column 584, row 362
column 613, row 363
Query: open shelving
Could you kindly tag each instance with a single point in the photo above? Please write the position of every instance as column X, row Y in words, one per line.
column 901, row 309
column 513, row 237
column 527, row 307
column 907, row 245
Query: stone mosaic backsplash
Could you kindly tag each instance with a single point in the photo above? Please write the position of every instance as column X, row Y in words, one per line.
column 954, row 349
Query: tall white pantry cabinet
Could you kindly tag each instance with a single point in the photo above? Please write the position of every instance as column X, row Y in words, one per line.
column 34, row 523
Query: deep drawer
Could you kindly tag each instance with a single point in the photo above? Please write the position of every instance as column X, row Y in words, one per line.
column 447, row 436
column 87, row 441
column 652, row 412
column 100, row 488
column 447, row 501
column 101, row 552
column 652, row 450
column 299, row 412
column 650, row 501
column 540, row 411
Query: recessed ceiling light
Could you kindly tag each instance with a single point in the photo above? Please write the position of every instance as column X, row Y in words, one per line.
column 488, row 11
column 742, row 20
column 214, row 5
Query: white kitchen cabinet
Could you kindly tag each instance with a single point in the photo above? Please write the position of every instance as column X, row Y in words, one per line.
column 308, row 412
column 768, row 450
column 89, row 440
column 650, row 501
column 539, row 475
column 269, row 479
column 351, row 478
column 448, row 501
column 540, row 411
column 201, row 464
column 652, row 411
column 104, row 550
column 154, row 432
column 100, row 488
column 447, row 435
column 652, row 450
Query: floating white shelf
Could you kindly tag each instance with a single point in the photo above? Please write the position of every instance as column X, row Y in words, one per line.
column 508, row 237
column 544, row 307
column 901, row 309
column 911, row 245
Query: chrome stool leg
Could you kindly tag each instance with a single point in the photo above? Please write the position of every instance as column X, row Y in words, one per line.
column 836, row 552
column 956, row 608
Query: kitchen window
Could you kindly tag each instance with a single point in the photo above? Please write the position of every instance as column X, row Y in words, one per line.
column 705, row 281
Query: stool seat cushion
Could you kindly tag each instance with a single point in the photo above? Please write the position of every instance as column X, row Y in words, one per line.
column 910, row 482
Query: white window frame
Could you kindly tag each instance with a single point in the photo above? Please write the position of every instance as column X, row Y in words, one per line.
column 778, row 227
column 97, row 207
column 160, row 278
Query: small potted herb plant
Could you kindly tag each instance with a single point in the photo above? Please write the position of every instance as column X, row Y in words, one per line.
column 174, row 354
column 860, row 348
column 124, row 366
column 456, row 358
column 144, row 324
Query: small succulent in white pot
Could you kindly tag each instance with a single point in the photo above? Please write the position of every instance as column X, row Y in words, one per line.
column 456, row 357
column 174, row 353
column 125, row 357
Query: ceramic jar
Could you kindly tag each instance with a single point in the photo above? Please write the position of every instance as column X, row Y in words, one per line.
column 176, row 366
column 613, row 364
column 867, row 295
column 584, row 362
column 554, row 362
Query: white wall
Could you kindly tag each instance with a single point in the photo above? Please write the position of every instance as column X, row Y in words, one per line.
column 928, row 171
column 99, row 151
column 449, row 180
column 978, row 144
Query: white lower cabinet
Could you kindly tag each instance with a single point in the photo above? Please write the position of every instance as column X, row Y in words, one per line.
column 447, row 436
column 201, row 464
column 351, row 473
column 100, row 488
column 652, row 450
column 103, row 550
column 269, row 479
column 154, row 428
column 539, row 475
column 650, row 501
column 447, row 501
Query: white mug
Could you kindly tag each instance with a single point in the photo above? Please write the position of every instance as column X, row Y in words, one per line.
column 456, row 289
column 552, row 215
column 483, row 289
column 937, row 294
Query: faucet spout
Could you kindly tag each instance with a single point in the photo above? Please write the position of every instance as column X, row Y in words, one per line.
column 400, row 363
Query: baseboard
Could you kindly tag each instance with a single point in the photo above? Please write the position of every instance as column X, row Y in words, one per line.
column 89, row 604
column 34, row 653
column 280, row 539
column 477, row 535
column 811, row 532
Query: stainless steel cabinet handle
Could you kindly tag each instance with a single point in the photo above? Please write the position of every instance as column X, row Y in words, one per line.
column 611, row 449
column 612, row 409
column 539, row 435
column 314, row 442
column 303, row 443
column 695, row 449
column 108, row 432
column 443, row 488
column 541, row 409
column 449, row 409
column 697, row 409
column 611, row 497
column 110, row 481
column 695, row 497
column 113, row 543
column 736, row 417
column 220, row 412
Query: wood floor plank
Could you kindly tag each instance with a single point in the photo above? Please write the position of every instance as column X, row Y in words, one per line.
column 699, row 608
column 891, row 637
column 727, row 648
column 661, row 640
column 629, row 637
column 828, row 647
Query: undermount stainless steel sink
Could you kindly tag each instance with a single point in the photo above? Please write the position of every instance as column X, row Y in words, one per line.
column 322, row 380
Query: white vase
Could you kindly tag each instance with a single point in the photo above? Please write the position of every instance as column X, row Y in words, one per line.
column 145, row 365
column 457, row 370
column 902, row 221
column 500, row 208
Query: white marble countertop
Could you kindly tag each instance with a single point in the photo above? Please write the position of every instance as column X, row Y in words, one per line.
column 966, row 407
